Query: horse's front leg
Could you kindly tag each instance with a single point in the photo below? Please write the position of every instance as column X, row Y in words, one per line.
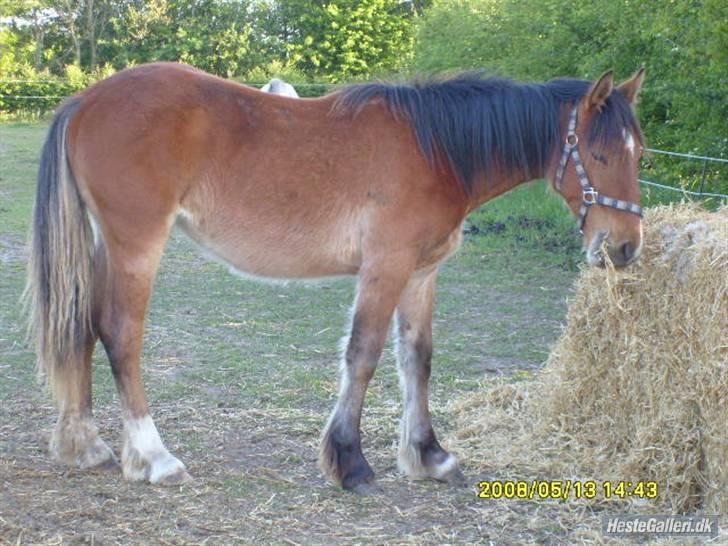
column 341, row 458
column 420, row 454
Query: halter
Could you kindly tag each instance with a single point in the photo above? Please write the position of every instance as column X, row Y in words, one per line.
column 590, row 195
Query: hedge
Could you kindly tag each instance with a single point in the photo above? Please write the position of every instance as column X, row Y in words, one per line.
column 37, row 97
column 34, row 96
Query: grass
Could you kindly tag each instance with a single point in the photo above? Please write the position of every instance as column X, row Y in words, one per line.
column 241, row 377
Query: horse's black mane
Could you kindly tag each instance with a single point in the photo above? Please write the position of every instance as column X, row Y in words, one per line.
column 479, row 123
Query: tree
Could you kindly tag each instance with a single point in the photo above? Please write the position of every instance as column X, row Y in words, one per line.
column 69, row 12
column 326, row 39
column 682, row 43
column 25, row 26
column 345, row 39
column 63, row 30
column 215, row 35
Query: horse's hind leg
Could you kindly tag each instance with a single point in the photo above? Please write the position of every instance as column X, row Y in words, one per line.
column 420, row 454
column 129, row 270
column 341, row 457
column 75, row 439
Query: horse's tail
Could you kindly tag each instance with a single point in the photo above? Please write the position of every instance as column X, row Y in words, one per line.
column 60, row 268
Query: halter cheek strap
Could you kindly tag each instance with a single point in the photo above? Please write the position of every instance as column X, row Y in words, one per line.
column 590, row 195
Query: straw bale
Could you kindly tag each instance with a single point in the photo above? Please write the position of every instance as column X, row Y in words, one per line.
column 636, row 388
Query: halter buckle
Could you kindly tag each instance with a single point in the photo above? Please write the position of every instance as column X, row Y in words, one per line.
column 590, row 196
column 572, row 139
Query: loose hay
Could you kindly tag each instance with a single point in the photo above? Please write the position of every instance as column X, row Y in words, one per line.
column 636, row 388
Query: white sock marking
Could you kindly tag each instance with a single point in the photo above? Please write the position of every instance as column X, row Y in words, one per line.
column 143, row 442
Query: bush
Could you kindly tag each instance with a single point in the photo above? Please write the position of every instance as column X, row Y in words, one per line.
column 275, row 69
column 35, row 93
column 34, row 97
column 683, row 45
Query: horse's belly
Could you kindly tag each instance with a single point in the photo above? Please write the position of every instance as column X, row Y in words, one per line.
column 277, row 250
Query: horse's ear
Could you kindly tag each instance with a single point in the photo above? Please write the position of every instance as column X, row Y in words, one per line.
column 600, row 90
column 631, row 87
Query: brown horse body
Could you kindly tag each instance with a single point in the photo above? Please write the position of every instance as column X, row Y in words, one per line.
column 275, row 187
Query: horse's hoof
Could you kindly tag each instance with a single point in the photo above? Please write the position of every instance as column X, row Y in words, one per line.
column 180, row 477
column 161, row 469
column 109, row 465
column 75, row 442
column 367, row 489
column 454, row 477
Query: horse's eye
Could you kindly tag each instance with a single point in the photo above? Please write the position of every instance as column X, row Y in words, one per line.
column 600, row 158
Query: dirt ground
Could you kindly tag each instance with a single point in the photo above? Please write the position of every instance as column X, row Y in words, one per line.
column 256, row 483
column 249, row 435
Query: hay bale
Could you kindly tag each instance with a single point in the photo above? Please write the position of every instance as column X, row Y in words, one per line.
column 636, row 388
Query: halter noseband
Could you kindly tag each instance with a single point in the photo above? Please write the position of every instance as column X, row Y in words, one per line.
column 590, row 195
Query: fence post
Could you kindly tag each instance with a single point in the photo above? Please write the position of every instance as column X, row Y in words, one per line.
column 702, row 177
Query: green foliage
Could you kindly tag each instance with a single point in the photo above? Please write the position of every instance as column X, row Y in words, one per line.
column 214, row 35
column 331, row 39
column 14, row 54
column 682, row 43
column 33, row 96
column 35, row 93
column 350, row 39
column 274, row 69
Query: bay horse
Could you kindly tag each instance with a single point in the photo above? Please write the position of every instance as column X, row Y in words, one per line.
column 373, row 180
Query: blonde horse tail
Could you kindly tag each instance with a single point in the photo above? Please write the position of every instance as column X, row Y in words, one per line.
column 60, row 268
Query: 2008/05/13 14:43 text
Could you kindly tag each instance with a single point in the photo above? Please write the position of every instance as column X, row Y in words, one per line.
column 566, row 489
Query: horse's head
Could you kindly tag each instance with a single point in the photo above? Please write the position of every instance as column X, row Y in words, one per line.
column 597, row 173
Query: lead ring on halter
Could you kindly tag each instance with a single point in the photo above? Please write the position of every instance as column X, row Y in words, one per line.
column 590, row 196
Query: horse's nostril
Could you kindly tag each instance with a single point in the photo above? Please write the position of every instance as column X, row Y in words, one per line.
column 627, row 251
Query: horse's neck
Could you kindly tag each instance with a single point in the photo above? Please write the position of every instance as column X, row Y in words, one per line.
column 490, row 187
